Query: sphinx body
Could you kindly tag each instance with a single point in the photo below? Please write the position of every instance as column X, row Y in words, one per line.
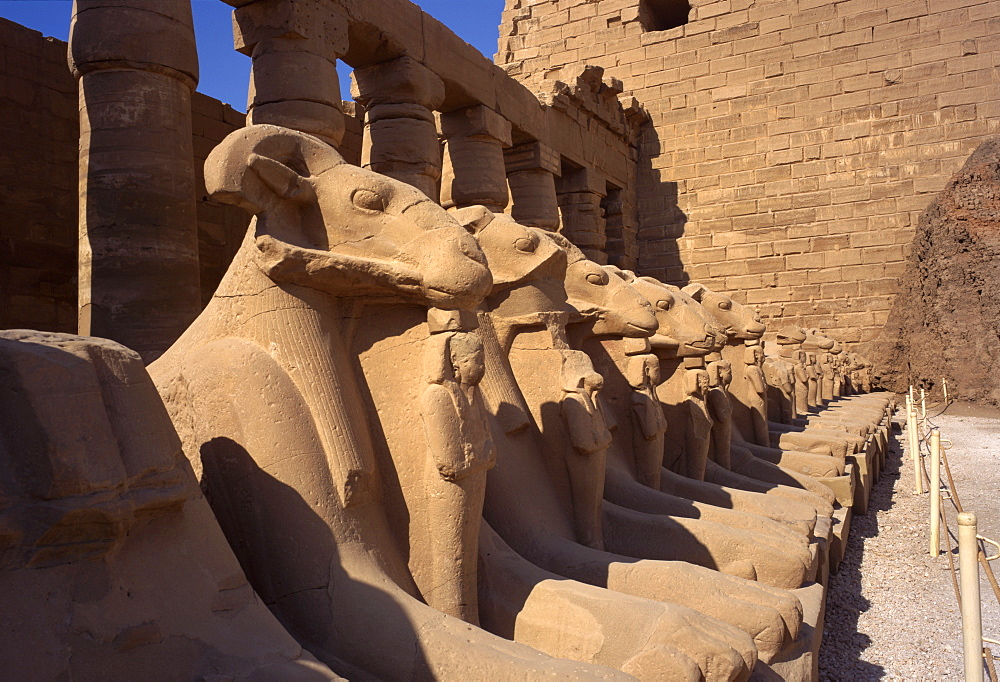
column 611, row 322
column 685, row 336
column 272, row 415
column 529, row 499
column 757, row 460
column 103, row 524
column 794, row 347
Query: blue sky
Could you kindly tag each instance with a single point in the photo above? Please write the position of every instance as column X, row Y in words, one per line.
column 224, row 72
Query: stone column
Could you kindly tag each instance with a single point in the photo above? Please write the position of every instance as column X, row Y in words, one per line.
column 137, row 68
column 532, row 170
column 580, row 195
column 294, row 45
column 474, row 171
column 400, row 138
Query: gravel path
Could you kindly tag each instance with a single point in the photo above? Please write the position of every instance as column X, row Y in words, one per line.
column 891, row 609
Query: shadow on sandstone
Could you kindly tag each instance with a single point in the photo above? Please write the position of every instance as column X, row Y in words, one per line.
column 662, row 221
column 233, row 481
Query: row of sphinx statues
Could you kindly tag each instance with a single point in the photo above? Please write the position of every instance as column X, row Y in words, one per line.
column 408, row 443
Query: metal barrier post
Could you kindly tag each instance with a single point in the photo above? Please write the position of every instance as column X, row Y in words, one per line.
column 972, row 615
column 935, row 545
column 944, row 385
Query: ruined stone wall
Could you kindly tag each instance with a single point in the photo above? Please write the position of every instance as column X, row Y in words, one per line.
column 793, row 144
column 39, row 125
column 38, row 182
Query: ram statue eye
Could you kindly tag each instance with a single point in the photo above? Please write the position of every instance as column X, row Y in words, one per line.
column 597, row 278
column 663, row 305
column 526, row 244
column 367, row 200
column 725, row 305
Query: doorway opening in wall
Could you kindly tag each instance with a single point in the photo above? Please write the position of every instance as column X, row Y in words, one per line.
column 661, row 15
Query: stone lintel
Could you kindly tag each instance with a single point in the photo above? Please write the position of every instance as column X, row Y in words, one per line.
column 583, row 180
column 533, row 156
column 321, row 27
column 400, row 81
column 476, row 121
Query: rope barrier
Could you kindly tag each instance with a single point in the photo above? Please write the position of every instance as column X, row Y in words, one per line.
column 990, row 657
column 995, row 544
column 924, row 438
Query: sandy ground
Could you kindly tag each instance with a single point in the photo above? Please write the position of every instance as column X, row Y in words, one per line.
column 891, row 610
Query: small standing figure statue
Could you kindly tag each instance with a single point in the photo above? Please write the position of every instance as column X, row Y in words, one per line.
column 812, row 371
column 699, row 431
column 461, row 452
column 867, row 376
column 801, row 383
column 757, row 396
column 648, row 423
column 589, row 439
column 780, row 388
column 837, row 358
column 720, row 375
column 827, row 370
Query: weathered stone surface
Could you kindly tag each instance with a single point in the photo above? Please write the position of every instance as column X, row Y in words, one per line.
column 400, row 138
column 111, row 563
column 474, row 172
column 267, row 369
column 367, row 361
column 114, row 34
column 139, row 275
column 534, row 200
column 313, row 27
column 946, row 320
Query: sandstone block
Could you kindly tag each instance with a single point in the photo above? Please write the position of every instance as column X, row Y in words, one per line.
column 316, row 27
column 402, row 80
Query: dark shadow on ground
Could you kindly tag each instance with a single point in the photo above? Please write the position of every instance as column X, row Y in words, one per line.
column 843, row 644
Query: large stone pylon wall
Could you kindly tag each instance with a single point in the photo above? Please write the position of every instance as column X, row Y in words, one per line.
column 793, row 144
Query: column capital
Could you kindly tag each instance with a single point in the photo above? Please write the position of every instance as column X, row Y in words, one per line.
column 131, row 35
